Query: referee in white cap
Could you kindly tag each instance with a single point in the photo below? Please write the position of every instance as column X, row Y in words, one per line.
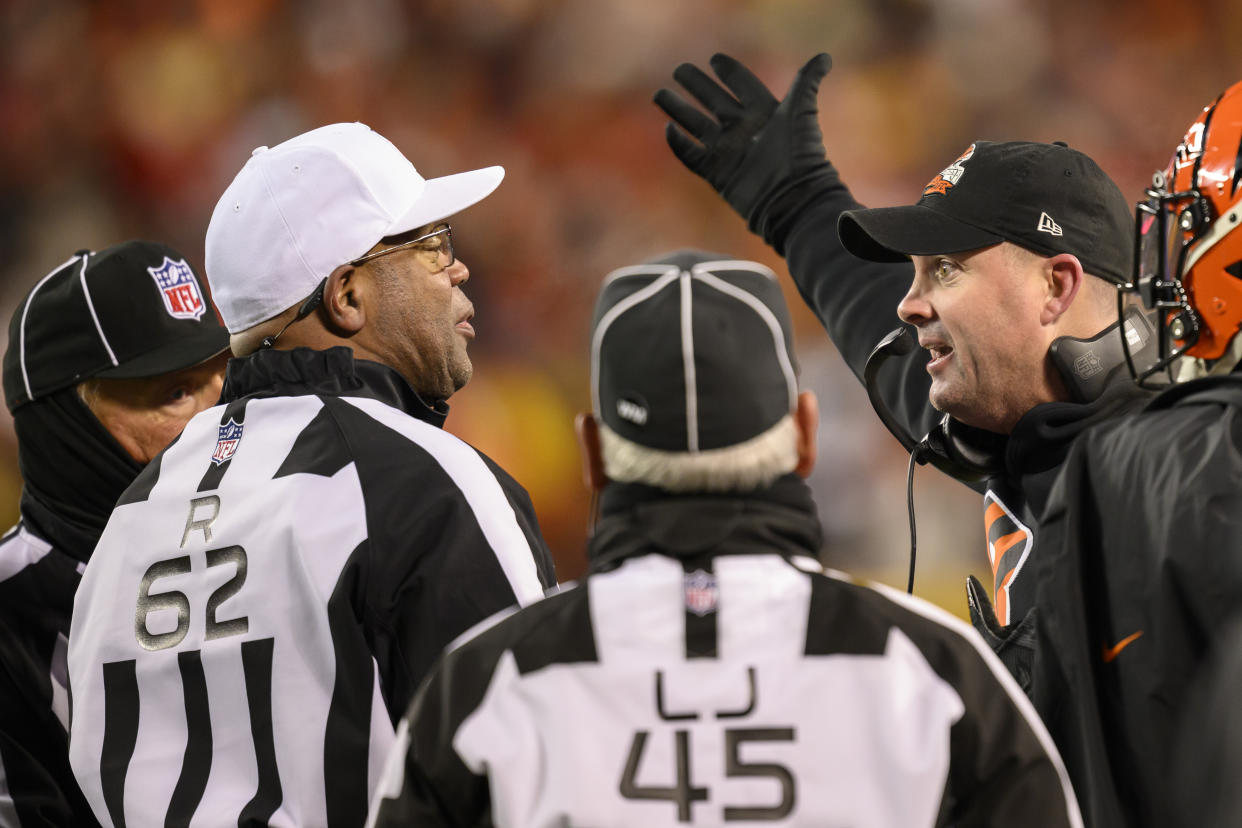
column 266, row 598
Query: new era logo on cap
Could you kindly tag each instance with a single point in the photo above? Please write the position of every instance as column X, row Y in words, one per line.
column 1047, row 225
column 633, row 411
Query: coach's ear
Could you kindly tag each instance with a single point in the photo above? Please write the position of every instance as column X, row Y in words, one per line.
column 587, row 430
column 1063, row 276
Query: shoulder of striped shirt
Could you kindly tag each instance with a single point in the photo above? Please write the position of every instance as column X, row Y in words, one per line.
column 965, row 632
column 20, row 548
column 494, row 619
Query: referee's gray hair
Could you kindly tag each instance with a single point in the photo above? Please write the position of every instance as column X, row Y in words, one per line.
column 753, row 464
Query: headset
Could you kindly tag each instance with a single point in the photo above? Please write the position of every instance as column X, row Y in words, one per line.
column 307, row 308
column 961, row 451
column 974, row 454
column 970, row 454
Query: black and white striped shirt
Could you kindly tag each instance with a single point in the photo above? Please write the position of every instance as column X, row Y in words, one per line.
column 37, row 582
column 747, row 688
column 271, row 590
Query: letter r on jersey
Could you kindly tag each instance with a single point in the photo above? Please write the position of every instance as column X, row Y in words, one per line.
column 194, row 521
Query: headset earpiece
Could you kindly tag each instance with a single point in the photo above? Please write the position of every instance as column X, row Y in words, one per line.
column 967, row 453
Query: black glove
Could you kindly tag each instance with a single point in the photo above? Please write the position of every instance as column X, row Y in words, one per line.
column 1014, row 644
column 765, row 157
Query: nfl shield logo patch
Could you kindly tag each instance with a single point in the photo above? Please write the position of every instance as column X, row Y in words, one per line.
column 701, row 592
column 226, row 444
column 182, row 297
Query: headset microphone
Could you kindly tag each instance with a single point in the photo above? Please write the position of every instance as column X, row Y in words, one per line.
column 897, row 343
column 961, row 451
column 307, row 308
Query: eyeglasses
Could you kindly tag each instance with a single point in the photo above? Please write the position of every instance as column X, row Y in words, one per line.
column 435, row 249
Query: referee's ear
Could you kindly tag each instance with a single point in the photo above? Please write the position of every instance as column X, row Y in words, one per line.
column 587, row 430
column 343, row 300
column 806, row 419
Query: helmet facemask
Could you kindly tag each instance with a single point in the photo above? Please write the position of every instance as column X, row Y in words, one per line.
column 1188, row 255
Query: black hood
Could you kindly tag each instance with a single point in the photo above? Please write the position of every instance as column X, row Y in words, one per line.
column 74, row 471
column 1043, row 435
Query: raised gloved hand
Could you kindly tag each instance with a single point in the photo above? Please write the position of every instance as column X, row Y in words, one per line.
column 765, row 157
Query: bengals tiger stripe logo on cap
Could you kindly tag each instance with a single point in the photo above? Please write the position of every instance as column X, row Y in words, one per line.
column 949, row 175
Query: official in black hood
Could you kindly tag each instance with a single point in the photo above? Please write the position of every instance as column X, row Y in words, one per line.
column 109, row 355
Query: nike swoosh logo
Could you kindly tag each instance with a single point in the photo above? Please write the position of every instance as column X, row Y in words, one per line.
column 1109, row 653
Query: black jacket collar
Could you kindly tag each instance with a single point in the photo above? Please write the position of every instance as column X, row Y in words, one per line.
column 333, row 373
column 638, row 520
column 1043, row 435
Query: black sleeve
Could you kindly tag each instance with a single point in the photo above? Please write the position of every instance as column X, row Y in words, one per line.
column 427, row 570
column 1208, row 761
column 37, row 775
column 36, row 605
column 1139, row 545
column 1147, row 513
column 1004, row 769
column 1002, row 773
column 425, row 592
column 1198, row 516
column 856, row 301
column 524, row 512
column 437, row 789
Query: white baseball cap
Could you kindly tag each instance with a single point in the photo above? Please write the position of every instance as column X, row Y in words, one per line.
column 301, row 209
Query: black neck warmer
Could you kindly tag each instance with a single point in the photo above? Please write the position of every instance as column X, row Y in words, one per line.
column 73, row 468
column 637, row 520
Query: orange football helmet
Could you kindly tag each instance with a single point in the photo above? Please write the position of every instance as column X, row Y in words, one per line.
column 1188, row 255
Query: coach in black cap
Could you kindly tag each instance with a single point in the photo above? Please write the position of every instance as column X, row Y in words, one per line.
column 1007, row 267
column 1017, row 249
column 109, row 355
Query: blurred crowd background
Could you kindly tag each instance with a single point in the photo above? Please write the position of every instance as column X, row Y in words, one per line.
column 127, row 118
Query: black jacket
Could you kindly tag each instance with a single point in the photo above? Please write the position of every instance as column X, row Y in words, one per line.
column 73, row 472
column 1140, row 571
column 37, row 584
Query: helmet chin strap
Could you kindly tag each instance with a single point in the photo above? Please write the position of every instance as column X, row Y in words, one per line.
column 1193, row 368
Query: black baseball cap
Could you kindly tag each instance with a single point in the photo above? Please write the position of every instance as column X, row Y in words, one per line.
column 1046, row 198
column 136, row 309
column 692, row 352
